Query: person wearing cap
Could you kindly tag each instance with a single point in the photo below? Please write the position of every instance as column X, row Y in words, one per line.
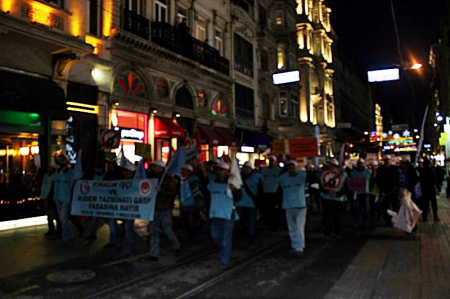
column 49, row 204
column 62, row 195
column 292, row 184
column 189, row 207
column 387, row 182
column 333, row 190
column 272, row 199
column 165, row 198
column 251, row 193
column 222, row 213
column 361, row 203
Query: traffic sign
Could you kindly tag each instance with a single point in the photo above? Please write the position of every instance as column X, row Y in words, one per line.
column 110, row 139
column 332, row 180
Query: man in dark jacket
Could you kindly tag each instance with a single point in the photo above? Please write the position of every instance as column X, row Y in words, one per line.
column 428, row 185
column 387, row 181
column 167, row 190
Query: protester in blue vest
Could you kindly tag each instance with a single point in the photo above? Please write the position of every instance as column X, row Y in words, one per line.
column 333, row 187
column 293, row 183
column 98, row 176
column 130, row 235
column 272, row 199
column 49, row 204
column 222, row 212
column 113, row 172
column 361, row 200
column 251, row 193
column 62, row 195
column 189, row 207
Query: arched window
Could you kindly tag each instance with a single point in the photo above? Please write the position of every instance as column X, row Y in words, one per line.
column 218, row 108
column 129, row 84
column 183, row 98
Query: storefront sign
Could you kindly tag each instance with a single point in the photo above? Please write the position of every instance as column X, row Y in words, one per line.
column 124, row 199
column 357, row 185
column 134, row 134
column 303, row 147
column 247, row 149
column 143, row 150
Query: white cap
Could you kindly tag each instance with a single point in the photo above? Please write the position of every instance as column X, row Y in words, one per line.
column 129, row 167
column 334, row 161
column 223, row 165
column 292, row 162
column 387, row 157
column 361, row 160
column 188, row 167
column 374, row 162
column 159, row 163
column 247, row 164
column 217, row 161
column 273, row 157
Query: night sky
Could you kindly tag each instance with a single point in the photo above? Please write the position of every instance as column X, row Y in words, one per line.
column 367, row 36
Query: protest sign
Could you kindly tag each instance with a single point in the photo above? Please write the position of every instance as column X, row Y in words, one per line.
column 357, row 185
column 280, row 147
column 124, row 199
column 143, row 150
column 303, row 147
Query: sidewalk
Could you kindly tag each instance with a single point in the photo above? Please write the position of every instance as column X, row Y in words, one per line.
column 394, row 264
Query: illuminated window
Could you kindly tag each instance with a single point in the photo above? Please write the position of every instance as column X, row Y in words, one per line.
column 280, row 58
column 161, row 11
column 218, row 108
column 283, row 104
column 201, row 29
column 279, row 13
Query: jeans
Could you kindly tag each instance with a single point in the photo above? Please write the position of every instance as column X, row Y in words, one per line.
column 332, row 210
column 247, row 221
column 222, row 234
column 189, row 219
column 361, row 208
column 64, row 213
column 270, row 213
column 130, row 235
column 162, row 219
column 113, row 229
column 296, row 219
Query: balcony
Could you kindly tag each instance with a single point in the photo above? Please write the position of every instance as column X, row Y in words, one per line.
column 243, row 65
column 245, row 117
column 168, row 37
column 136, row 24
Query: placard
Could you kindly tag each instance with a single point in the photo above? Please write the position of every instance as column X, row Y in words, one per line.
column 121, row 199
column 303, row 147
column 357, row 185
column 143, row 150
column 280, row 147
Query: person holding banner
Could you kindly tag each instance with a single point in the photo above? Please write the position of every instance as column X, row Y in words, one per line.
column 293, row 183
column 167, row 190
column 62, row 184
column 189, row 211
column 222, row 212
column 251, row 193
column 333, row 186
column 360, row 176
column 271, row 204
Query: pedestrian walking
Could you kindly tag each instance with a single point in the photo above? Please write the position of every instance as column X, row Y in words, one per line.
column 387, row 181
column 189, row 207
column 292, row 184
column 222, row 213
column 167, row 190
column 361, row 203
column 272, row 198
column 429, row 186
column 49, row 204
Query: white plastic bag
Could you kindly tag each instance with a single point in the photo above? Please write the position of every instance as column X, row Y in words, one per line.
column 409, row 213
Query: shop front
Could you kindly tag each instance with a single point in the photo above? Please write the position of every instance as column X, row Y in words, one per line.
column 167, row 133
column 254, row 145
column 30, row 106
column 216, row 142
column 133, row 128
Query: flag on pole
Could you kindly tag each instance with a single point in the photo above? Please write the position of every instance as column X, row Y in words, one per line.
column 77, row 171
column 140, row 171
column 123, row 160
column 422, row 137
column 235, row 175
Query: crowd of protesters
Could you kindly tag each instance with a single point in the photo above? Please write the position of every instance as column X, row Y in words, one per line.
column 217, row 205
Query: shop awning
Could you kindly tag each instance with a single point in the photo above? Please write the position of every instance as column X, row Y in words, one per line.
column 16, row 121
column 254, row 139
column 209, row 136
column 228, row 137
column 20, row 92
column 166, row 128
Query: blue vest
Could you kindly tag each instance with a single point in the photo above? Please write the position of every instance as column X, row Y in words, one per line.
column 252, row 182
column 190, row 202
column 328, row 196
column 293, row 190
column 271, row 179
column 62, row 184
column 222, row 202
column 363, row 174
column 47, row 184
column 211, row 177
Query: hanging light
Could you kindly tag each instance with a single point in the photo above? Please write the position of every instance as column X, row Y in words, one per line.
column 24, row 151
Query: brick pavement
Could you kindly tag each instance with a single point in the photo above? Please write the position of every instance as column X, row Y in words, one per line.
column 394, row 264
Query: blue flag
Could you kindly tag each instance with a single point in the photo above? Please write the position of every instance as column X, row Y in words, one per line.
column 185, row 191
column 140, row 171
column 178, row 160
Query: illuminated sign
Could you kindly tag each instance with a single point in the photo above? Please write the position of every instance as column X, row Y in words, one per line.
column 384, row 75
column 427, row 145
column 286, row 77
column 133, row 134
column 247, row 149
